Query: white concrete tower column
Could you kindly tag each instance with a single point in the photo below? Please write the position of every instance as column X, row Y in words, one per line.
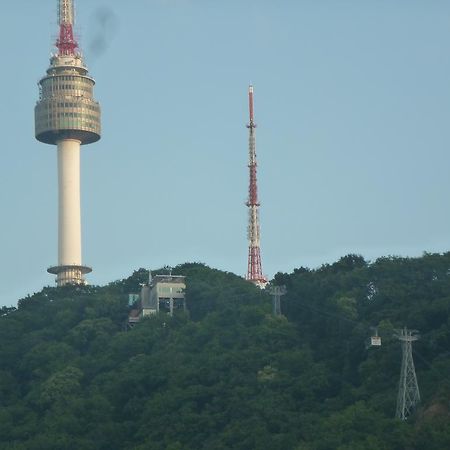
column 69, row 220
column 70, row 269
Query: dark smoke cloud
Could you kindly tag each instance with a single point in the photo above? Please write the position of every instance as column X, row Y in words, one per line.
column 105, row 26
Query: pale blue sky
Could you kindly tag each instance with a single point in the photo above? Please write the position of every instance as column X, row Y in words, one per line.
column 352, row 102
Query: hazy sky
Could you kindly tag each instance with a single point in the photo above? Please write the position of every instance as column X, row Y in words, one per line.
column 352, row 102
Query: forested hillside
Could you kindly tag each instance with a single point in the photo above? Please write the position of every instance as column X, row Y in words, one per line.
column 230, row 375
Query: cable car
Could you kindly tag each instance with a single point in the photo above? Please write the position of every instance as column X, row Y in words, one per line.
column 375, row 341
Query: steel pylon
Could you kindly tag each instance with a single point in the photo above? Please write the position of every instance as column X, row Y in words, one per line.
column 277, row 292
column 408, row 390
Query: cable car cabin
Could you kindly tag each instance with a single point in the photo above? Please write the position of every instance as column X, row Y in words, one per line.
column 375, row 341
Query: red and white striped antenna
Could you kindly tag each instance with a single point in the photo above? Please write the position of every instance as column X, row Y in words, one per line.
column 66, row 42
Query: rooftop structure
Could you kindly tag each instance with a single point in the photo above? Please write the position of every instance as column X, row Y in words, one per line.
column 161, row 293
column 166, row 293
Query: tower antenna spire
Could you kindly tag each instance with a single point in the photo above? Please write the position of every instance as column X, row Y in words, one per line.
column 66, row 42
column 254, row 269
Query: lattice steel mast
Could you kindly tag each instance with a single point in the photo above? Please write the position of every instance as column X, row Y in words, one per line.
column 254, row 268
column 408, row 390
column 277, row 292
column 66, row 42
column 67, row 116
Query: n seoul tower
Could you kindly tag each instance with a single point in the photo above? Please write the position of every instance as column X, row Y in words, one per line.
column 67, row 116
column 254, row 269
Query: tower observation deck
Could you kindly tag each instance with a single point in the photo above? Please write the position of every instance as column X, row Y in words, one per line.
column 66, row 115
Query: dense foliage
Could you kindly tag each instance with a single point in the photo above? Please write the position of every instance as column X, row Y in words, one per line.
column 230, row 375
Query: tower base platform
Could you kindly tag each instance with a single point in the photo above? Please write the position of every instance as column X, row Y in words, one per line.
column 69, row 274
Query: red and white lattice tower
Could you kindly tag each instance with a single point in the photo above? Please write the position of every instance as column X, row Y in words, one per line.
column 254, row 268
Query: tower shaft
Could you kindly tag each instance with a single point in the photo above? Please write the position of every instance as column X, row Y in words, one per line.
column 69, row 208
column 69, row 217
column 408, row 391
column 254, row 266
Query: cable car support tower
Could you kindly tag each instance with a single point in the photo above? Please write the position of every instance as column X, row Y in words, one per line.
column 254, row 268
column 408, row 391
